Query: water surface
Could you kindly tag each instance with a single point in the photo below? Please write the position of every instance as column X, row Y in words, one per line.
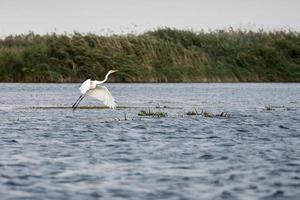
column 49, row 152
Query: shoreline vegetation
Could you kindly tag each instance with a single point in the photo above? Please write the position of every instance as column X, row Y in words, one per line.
column 162, row 55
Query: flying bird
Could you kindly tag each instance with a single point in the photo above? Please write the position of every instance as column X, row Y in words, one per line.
column 95, row 90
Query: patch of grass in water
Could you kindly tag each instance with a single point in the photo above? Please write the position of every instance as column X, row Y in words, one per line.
column 278, row 108
column 269, row 108
column 223, row 114
column 208, row 114
column 194, row 112
column 149, row 113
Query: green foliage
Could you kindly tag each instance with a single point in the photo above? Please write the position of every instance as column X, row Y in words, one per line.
column 194, row 112
column 208, row 114
column 149, row 113
column 163, row 55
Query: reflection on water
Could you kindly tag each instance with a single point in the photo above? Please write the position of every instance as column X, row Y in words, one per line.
column 50, row 152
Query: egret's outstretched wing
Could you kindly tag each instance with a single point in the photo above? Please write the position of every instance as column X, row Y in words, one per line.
column 85, row 86
column 101, row 93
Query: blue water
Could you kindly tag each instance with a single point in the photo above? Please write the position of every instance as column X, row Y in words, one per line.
column 49, row 152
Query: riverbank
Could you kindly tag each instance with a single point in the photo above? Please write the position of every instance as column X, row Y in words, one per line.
column 163, row 55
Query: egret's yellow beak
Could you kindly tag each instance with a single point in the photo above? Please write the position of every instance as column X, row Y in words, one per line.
column 113, row 71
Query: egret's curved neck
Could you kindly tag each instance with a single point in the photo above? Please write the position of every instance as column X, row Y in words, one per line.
column 105, row 79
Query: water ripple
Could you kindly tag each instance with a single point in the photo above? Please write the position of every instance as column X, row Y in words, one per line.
column 88, row 154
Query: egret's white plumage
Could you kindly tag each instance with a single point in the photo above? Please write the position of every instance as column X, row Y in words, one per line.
column 85, row 86
column 101, row 93
column 93, row 89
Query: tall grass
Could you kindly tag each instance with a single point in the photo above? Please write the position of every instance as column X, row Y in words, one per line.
column 163, row 55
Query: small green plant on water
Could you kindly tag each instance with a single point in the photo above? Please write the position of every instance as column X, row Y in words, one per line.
column 149, row 113
column 223, row 114
column 269, row 108
column 194, row 112
column 207, row 114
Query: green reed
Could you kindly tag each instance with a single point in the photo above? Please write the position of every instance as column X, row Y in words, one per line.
column 163, row 55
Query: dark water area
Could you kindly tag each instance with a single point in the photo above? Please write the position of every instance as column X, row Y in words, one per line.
column 49, row 152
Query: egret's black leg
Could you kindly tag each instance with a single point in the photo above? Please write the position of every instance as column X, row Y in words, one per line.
column 77, row 101
column 74, row 108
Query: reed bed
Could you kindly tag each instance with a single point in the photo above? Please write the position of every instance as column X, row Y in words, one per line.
column 163, row 55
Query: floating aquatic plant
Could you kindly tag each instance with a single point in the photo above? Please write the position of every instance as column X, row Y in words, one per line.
column 269, row 108
column 278, row 108
column 149, row 113
column 223, row 114
column 194, row 112
column 208, row 114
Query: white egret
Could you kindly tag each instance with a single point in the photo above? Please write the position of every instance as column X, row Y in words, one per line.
column 95, row 90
